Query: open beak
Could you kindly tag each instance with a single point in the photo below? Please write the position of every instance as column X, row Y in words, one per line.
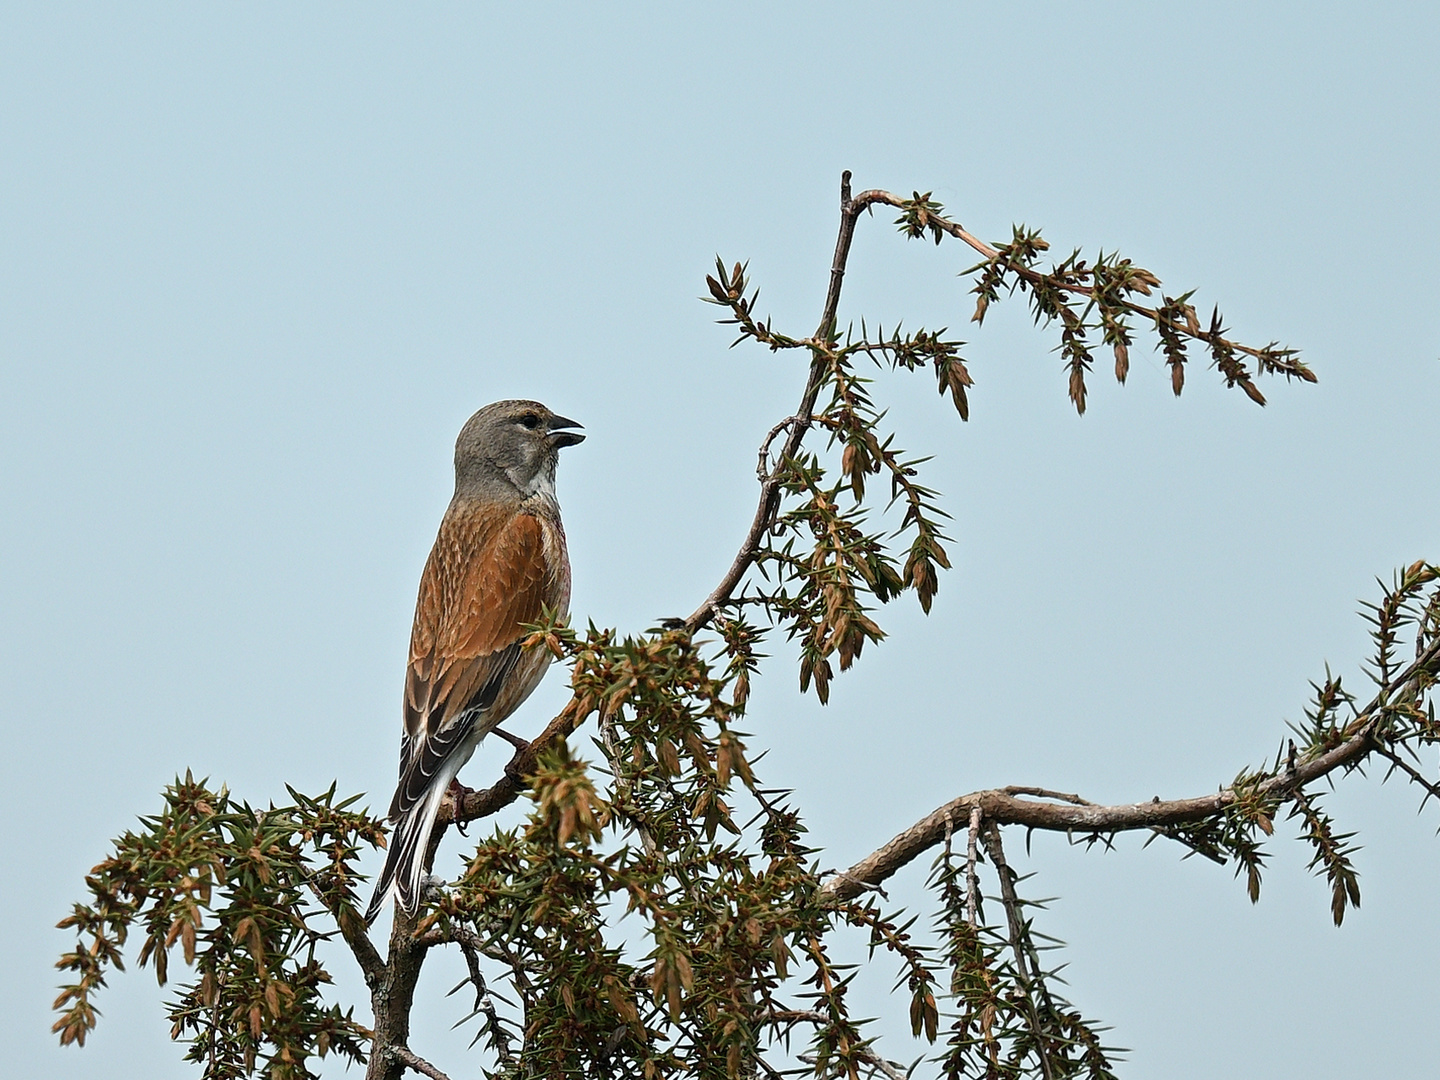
column 561, row 437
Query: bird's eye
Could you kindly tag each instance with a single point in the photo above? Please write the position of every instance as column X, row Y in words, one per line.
column 530, row 420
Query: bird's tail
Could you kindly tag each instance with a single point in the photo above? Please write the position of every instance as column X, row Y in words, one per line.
column 405, row 860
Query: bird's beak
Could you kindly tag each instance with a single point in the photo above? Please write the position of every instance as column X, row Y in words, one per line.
column 559, row 436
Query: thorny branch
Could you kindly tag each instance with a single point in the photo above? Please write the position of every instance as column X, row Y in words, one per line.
column 352, row 929
column 471, row 947
column 1014, row 917
column 1171, row 318
column 479, row 804
column 763, row 471
column 1019, row 935
column 458, row 935
column 823, row 345
column 799, row 424
column 1414, row 775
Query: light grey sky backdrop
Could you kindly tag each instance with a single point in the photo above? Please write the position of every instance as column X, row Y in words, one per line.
column 260, row 262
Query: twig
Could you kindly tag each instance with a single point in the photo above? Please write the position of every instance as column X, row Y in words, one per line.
column 1432, row 789
column 869, row 198
column 459, row 935
column 404, row 1055
column 612, row 752
column 479, row 804
column 1046, row 793
column 484, row 1003
column 762, row 467
column 990, row 834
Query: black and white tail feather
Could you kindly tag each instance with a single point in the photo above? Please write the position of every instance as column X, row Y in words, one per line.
column 428, row 763
column 404, row 870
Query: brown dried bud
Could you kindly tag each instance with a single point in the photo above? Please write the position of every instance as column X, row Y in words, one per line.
column 1077, row 388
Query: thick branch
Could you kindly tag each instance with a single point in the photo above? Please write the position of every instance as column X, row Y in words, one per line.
column 1007, row 806
column 391, row 1001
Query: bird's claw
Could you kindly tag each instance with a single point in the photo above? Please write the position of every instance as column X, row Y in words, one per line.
column 457, row 792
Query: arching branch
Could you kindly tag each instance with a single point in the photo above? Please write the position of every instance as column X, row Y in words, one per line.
column 1020, row 806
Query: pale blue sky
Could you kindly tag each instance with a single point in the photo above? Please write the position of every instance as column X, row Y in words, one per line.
column 260, row 263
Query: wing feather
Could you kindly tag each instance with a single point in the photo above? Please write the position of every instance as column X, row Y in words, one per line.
column 486, row 577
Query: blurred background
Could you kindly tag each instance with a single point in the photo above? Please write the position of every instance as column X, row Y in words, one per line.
column 261, row 262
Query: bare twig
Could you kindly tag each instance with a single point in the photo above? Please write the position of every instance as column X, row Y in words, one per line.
column 406, row 1057
column 1046, row 793
column 763, row 471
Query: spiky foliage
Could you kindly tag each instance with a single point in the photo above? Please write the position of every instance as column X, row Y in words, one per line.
column 239, row 892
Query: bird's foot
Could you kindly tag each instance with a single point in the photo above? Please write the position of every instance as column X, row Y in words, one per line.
column 457, row 792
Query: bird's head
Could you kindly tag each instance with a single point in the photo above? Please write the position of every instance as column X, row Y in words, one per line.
column 514, row 444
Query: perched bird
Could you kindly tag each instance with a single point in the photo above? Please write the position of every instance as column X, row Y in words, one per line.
column 498, row 562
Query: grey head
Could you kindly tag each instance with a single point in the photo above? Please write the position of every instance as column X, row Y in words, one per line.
column 510, row 448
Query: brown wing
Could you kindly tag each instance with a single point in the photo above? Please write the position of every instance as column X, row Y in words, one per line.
column 486, row 577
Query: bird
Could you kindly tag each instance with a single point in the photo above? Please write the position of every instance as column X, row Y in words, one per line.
column 499, row 562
